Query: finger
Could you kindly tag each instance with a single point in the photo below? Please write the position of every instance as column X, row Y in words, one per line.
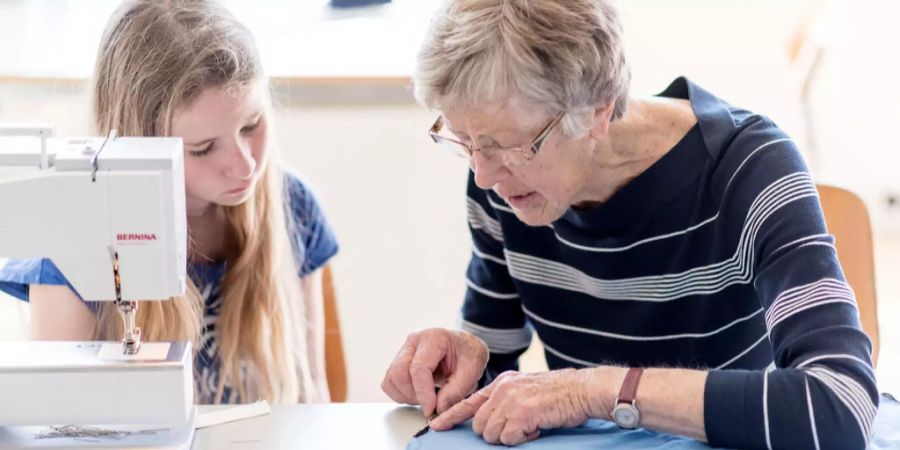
column 459, row 384
column 401, row 380
column 398, row 373
column 494, row 426
column 404, row 385
column 513, row 434
column 399, row 396
column 388, row 387
column 421, row 370
column 460, row 412
column 518, row 432
column 479, row 422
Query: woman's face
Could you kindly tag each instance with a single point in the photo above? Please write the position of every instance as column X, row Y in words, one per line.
column 224, row 135
column 540, row 191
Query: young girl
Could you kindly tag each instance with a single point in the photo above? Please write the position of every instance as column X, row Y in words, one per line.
column 188, row 68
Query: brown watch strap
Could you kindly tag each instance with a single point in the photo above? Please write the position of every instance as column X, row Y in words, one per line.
column 629, row 387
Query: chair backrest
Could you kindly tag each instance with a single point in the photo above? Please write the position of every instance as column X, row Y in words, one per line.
column 848, row 221
column 335, row 366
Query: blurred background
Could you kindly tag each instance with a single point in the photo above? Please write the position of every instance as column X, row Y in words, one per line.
column 346, row 119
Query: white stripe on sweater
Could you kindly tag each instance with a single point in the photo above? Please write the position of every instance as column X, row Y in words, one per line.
column 571, row 359
column 850, row 393
column 648, row 240
column 809, row 361
column 589, row 363
column 626, row 337
column 821, row 244
column 487, row 256
column 766, row 409
column 500, row 340
column 739, row 355
column 661, row 288
column 490, row 293
column 807, row 296
column 634, row 244
column 812, row 416
column 479, row 219
column 801, row 240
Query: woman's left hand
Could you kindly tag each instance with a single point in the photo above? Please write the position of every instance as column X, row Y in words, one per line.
column 516, row 406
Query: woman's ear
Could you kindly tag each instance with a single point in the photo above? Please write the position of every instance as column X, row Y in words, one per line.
column 600, row 122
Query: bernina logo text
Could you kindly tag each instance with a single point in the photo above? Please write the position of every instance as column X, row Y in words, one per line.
column 136, row 237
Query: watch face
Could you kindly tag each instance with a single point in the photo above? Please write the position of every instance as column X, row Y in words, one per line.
column 626, row 416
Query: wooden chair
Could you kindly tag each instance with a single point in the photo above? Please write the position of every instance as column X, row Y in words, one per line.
column 848, row 220
column 335, row 367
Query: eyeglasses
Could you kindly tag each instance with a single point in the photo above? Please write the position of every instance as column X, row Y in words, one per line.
column 511, row 156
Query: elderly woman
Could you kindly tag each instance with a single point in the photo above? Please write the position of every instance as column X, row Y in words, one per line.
column 670, row 251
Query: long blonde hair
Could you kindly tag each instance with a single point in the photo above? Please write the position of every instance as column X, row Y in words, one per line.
column 156, row 57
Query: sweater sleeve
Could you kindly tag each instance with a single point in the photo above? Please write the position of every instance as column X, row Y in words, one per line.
column 821, row 391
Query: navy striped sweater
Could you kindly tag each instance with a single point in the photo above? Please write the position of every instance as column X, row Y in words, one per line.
column 717, row 257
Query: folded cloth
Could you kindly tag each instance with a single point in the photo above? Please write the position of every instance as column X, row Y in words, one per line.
column 593, row 434
column 886, row 430
column 599, row 434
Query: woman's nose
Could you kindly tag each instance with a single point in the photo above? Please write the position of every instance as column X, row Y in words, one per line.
column 488, row 171
column 242, row 164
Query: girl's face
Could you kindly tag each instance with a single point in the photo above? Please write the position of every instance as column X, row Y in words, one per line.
column 224, row 135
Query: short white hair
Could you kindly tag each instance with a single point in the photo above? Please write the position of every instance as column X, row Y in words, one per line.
column 565, row 54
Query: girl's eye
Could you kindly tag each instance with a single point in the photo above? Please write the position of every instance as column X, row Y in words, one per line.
column 202, row 152
column 251, row 128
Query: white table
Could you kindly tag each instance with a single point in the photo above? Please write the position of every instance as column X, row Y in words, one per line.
column 371, row 426
column 380, row 426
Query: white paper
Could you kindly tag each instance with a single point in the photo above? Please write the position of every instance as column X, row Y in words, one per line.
column 232, row 414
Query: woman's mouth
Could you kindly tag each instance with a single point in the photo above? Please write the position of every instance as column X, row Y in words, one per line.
column 239, row 190
column 522, row 201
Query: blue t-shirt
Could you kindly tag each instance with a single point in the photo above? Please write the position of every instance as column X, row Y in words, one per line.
column 314, row 243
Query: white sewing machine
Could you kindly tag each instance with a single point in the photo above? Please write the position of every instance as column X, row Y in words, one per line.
column 109, row 213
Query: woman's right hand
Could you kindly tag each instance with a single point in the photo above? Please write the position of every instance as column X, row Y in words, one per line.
column 453, row 360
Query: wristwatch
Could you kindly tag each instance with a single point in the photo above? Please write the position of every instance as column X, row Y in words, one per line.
column 626, row 414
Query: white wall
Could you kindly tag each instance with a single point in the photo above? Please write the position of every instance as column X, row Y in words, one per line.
column 857, row 106
column 397, row 205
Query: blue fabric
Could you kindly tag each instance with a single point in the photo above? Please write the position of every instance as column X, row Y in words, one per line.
column 886, row 431
column 314, row 243
column 598, row 434
column 595, row 434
